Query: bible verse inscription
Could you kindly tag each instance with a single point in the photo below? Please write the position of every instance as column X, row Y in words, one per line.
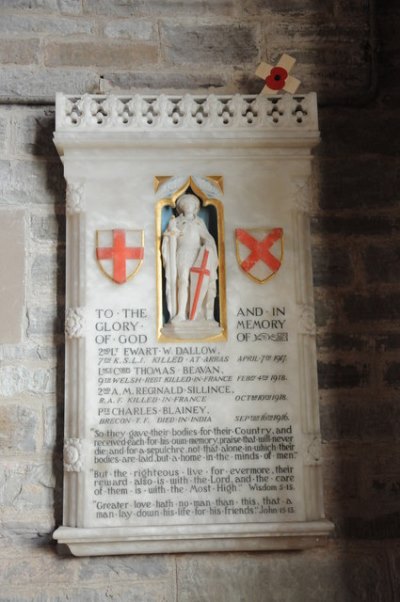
column 160, row 445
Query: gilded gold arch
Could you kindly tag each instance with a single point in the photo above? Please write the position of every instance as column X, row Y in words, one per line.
column 206, row 201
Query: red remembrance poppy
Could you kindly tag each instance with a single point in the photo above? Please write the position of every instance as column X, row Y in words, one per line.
column 276, row 79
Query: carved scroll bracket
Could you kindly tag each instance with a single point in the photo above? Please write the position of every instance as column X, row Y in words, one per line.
column 75, row 198
column 73, row 457
column 306, row 319
column 312, row 450
column 302, row 193
column 75, row 322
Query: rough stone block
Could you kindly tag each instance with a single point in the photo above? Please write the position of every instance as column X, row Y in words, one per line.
column 309, row 575
column 353, row 7
column 4, row 130
column 33, row 182
column 100, row 54
column 34, row 132
column 117, row 592
column 72, row 7
column 135, row 8
column 17, row 428
column 327, row 78
column 12, row 273
column 337, row 341
column 163, row 82
column 382, row 263
column 389, row 7
column 23, row 82
column 48, row 228
column 254, row 7
column 388, row 342
column 19, row 52
column 394, row 560
column 327, row 309
column 21, row 540
column 383, row 491
column 307, row 33
column 25, row 351
column 359, row 419
column 246, row 82
column 224, row 44
column 47, row 274
column 388, row 26
column 369, row 510
column 10, row 594
column 337, row 470
column 45, row 321
column 346, row 132
column 5, row 180
column 26, row 486
column 39, row 574
column 333, row 57
column 40, row 569
column 392, row 374
column 20, row 379
column 342, row 376
column 50, row 427
column 133, row 29
column 384, row 527
column 340, row 183
column 331, row 266
column 376, row 225
column 359, row 308
column 136, row 568
column 22, row 23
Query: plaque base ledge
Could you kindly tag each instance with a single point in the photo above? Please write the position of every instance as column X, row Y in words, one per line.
column 190, row 538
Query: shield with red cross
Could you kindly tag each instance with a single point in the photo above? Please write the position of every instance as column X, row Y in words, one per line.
column 199, row 278
column 119, row 253
column 259, row 251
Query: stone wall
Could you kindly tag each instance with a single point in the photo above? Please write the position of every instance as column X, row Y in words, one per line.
column 350, row 54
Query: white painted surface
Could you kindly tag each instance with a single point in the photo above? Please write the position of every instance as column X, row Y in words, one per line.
column 110, row 167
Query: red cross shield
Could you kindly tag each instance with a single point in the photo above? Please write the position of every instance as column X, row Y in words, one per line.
column 199, row 277
column 259, row 252
column 119, row 253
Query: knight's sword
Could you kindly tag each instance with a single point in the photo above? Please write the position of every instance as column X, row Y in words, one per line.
column 201, row 271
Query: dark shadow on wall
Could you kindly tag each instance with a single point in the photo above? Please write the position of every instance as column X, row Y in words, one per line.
column 357, row 296
column 58, row 450
column 44, row 149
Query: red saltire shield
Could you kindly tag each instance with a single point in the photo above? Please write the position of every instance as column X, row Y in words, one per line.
column 259, row 251
column 119, row 253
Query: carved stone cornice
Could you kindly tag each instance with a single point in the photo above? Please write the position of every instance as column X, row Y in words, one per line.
column 189, row 112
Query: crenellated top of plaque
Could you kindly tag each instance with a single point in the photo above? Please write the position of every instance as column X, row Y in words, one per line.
column 271, row 118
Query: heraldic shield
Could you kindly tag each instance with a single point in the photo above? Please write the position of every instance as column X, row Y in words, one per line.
column 259, row 252
column 199, row 281
column 119, row 253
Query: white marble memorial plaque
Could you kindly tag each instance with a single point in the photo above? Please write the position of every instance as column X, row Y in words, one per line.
column 191, row 412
